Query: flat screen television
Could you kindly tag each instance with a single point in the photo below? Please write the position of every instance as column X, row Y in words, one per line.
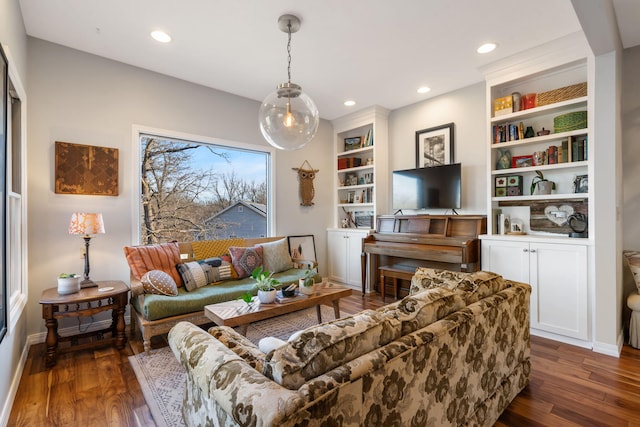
column 436, row 187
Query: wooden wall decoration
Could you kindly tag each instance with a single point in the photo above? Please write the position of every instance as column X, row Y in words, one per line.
column 551, row 215
column 305, row 178
column 86, row 169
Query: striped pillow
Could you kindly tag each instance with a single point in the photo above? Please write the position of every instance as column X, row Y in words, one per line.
column 160, row 256
column 198, row 274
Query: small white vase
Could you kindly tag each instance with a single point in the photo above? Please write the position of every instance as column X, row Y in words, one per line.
column 307, row 290
column 267, row 297
column 68, row 285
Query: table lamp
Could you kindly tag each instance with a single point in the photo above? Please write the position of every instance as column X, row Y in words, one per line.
column 86, row 225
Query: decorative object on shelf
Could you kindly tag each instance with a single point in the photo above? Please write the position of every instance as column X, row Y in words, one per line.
column 516, row 227
column 579, row 224
column 504, row 159
column 581, row 184
column 68, row 283
column 543, row 132
column 500, row 186
column 503, row 223
column 551, row 216
column 539, row 158
column 369, row 161
column 352, row 143
column 522, row 161
column 350, row 179
column 529, row 101
column 558, row 215
column 305, row 179
column 562, row 94
column 516, row 101
column 529, row 133
column 502, row 106
column 363, row 219
column 514, row 185
column 570, row 121
column 434, row 146
column 86, row 169
column 541, row 185
column 86, row 225
column 288, row 117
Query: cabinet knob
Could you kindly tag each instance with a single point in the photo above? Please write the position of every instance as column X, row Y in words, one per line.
column 525, row 250
column 533, row 251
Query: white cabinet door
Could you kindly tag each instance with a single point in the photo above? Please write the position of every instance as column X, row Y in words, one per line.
column 337, row 256
column 507, row 258
column 345, row 248
column 560, row 275
column 557, row 274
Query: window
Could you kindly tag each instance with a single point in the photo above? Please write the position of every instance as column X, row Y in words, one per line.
column 195, row 188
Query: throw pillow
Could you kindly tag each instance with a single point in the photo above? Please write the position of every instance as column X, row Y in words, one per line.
column 160, row 256
column 276, row 257
column 213, row 262
column 160, row 283
column 203, row 249
column 245, row 260
column 226, row 259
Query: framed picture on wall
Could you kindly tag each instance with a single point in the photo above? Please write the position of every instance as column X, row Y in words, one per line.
column 434, row 146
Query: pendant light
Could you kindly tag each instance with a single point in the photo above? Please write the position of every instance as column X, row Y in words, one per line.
column 288, row 117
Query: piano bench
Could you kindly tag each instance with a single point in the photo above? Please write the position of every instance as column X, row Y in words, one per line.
column 395, row 271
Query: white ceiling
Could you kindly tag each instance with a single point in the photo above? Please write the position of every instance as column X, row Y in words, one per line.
column 372, row 51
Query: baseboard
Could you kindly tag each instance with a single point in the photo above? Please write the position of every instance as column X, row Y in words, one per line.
column 560, row 338
column 610, row 349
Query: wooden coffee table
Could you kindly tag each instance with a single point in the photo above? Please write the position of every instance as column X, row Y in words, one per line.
column 239, row 313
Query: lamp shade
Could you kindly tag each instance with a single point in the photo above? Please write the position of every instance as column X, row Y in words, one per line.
column 288, row 117
column 86, row 224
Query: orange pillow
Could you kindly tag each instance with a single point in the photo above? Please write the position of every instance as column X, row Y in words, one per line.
column 160, row 256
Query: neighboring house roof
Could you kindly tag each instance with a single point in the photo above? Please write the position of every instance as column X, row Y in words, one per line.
column 258, row 208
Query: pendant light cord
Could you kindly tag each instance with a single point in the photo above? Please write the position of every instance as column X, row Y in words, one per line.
column 289, row 51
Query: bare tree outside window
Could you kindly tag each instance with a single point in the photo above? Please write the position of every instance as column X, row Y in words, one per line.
column 188, row 187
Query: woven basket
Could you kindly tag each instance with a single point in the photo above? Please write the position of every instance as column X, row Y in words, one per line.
column 562, row 94
column 570, row 121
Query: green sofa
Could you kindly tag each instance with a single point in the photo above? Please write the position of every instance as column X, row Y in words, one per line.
column 155, row 314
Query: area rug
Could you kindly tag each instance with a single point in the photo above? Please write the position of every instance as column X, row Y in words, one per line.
column 162, row 378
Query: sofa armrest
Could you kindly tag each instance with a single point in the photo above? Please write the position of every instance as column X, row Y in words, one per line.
column 135, row 286
column 240, row 345
column 228, row 382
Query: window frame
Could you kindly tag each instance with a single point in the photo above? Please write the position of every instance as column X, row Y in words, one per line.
column 139, row 130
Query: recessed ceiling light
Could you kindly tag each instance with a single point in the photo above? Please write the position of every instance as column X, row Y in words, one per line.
column 349, row 102
column 424, row 89
column 161, row 36
column 487, row 47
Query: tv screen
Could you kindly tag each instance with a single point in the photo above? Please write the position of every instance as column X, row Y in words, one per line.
column 428, row 188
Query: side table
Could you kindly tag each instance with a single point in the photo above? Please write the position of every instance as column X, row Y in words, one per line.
column 109, row 295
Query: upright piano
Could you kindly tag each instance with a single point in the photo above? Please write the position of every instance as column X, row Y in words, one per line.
column 411, row 241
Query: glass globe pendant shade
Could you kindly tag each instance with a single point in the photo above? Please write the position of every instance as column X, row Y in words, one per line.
column 288, row 117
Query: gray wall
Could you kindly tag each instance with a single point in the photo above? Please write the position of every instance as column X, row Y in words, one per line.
column 81, row 98
column 14, row 40
column 466, row 109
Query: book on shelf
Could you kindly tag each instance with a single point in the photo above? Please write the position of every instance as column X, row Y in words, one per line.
column 368, row 139
column 565, row 150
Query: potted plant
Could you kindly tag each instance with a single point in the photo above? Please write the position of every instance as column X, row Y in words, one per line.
column 68, row 283
column 266, row 285
column 307, row 282
column 541, row 185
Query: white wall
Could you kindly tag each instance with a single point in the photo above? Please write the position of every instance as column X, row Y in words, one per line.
column 12, row 37
column 84, row 99
column 466, row 109
column 631, row 147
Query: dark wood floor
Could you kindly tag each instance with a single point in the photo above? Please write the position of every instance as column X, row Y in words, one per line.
column 570, row 386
